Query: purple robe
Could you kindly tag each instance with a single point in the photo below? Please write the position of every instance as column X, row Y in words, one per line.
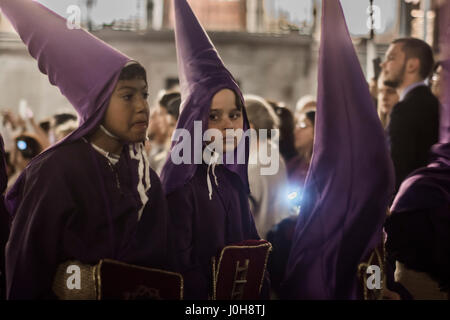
column 81, row 212
column 69, row 203
column 201, row 227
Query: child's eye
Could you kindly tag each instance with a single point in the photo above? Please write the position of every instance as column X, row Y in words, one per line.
column 127, row 97
column 213, row 117
column 145, row 95
column 235, row 115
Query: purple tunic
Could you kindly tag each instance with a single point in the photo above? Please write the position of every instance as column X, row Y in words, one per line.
column 201, row 227
column 67, row 217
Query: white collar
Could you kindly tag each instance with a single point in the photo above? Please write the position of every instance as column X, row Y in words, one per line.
column 113, row 158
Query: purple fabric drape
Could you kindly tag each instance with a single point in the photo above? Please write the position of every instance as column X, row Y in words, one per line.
column 350, row 179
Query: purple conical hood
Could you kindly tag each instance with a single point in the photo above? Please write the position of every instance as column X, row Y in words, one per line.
column 202, row 74
column 429, row 187
column 84, row 68
column 79, row 64
column 350, row 179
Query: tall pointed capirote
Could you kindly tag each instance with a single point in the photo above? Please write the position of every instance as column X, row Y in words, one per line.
column 350, row 179
column 84, row 68
column 202, row 74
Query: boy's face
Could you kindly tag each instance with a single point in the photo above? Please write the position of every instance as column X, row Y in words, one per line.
column 128, row 111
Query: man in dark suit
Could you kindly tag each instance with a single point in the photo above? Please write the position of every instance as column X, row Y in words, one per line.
column 414, row 121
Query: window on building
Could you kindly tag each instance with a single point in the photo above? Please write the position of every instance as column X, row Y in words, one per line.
column 357, row 14
column 287, row 15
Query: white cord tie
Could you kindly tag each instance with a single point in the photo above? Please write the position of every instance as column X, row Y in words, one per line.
column 137, row 152
column 212, row 163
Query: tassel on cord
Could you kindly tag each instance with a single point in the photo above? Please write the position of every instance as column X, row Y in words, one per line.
column 137, row 152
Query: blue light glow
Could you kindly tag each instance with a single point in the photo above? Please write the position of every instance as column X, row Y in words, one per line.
column 292, row 195
column 22, row 145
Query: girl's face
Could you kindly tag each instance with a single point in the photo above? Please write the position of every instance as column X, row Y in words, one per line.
column 304, row 132
column 224, row 114
column 128, row 111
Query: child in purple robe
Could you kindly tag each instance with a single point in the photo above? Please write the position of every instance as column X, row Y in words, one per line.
column 93, row 195
column 208, row 202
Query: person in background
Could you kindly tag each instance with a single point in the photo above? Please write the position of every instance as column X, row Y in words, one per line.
column 304, row 104
column 267, row 192
column 373, row 89
column 162, row 123
column 61, row 125
column 436, row 81
column 286, row 127
column 387, row 99
column 304, row 141
column 27, row 146
column 414, row 121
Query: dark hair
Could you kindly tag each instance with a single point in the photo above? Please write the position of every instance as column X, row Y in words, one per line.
column 437, row 65
column 45, row 125
column 287, row 125
column 61, row 118
column 261, row 114
column 171, row 102
column 239, row 103
column 311, row 115
column 416, row 48
column 435, row 68
column 133, row 71
column 28, row 146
